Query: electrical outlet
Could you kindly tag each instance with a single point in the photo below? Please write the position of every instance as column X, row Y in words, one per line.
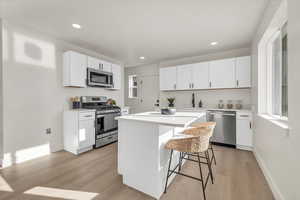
column 48, row 131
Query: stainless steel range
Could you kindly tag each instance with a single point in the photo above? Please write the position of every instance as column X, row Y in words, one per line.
column 105, row 123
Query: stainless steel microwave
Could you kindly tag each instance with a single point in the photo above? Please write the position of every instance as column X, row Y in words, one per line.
column 99, row 78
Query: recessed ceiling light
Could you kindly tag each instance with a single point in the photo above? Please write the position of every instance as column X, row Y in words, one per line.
column 77, row 26
column 142, row 57
column 213, row 43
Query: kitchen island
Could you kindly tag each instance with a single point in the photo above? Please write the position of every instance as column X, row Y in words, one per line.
column 142, row 158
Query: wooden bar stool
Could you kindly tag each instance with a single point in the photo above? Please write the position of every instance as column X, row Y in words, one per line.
column 191, row 145
column 211, row 126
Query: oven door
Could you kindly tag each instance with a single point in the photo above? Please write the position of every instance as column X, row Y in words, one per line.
column 110, row 123
column 106, row 122
column 99, row 78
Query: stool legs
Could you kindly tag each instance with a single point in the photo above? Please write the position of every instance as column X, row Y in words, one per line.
column 201, row 175
column 213, row 154
column 170, row 161
column 209, row 166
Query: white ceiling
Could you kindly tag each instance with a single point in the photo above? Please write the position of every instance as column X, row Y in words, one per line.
column 156, row 29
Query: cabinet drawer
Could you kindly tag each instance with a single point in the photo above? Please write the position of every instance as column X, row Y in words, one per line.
column 243, row 116
column 86, row 116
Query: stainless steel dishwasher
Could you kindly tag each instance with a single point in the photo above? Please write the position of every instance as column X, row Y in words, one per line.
column 225, row 131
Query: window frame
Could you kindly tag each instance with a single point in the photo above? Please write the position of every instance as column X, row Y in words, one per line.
column 131, row 86
column 266, row 71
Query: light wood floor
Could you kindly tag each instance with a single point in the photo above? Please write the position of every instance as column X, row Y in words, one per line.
column 237, row 175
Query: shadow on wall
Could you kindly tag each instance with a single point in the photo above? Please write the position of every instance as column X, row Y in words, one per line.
column 26, row 96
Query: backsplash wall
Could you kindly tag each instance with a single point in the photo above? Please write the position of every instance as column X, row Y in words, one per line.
column 209, row 98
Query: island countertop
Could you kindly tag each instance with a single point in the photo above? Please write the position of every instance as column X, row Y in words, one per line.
column 179, row 119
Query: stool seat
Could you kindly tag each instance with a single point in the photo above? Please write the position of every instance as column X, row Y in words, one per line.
column 190, row 144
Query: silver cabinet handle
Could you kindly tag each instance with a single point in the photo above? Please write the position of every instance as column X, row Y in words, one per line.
column 237, row 83
column 192, row 85
column 210, row 84
column 175, row 86
column 244, row 115
column 88, row 116
column 228, row 114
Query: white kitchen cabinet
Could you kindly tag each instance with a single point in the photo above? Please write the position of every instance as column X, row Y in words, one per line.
column 184, row 77
column 167, row 78
column 243, row 72
column 96, row 63
column 193, row 76
column 222, row 73
column 79, row 130
column 93, row 63
column 244, row 133
column 116, row 70
column 106, row 66
column 74, row 69
column 200, row 75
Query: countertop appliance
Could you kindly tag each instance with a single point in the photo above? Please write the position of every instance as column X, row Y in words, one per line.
column 225, row 130
column 99, row 78
column 105, row 123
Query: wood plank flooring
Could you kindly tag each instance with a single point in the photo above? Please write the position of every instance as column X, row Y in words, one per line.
column 237, row 177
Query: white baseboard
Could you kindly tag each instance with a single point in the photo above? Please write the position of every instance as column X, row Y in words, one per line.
column 275, row 190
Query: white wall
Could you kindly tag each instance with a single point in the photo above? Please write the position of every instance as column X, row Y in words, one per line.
column 34, row 98
column 209, row 98
column 278, row 151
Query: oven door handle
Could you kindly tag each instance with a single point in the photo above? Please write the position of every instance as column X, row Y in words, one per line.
column 99, row 116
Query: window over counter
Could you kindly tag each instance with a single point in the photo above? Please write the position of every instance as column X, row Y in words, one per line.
column 273, row 73
column 133, row 86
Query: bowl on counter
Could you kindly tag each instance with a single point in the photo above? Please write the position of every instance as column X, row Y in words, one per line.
column 168, row 111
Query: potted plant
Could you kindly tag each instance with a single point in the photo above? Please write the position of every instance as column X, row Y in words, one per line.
column 171, row 101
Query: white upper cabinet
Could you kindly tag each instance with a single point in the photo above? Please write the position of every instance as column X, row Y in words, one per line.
column 200, row 76
column 167, row 78
column 243, row 72
column 184, row 77
column 96, row 63
column 74, row 69
column 193, row 76
column 106, row 66
column 116, row 70
column 93, row 63
column 222, row 73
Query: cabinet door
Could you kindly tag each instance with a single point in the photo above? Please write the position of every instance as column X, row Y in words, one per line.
column 77, row 71
column 243, row 72
column 167, row 78
column 106, row 66
column 86, row 134
column 244, row 132
column 222, row 73
column 184, row 77
column 93, row 63
column 200, row 76
column 116, row 70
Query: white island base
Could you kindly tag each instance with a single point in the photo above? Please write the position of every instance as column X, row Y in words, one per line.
column 142, row 158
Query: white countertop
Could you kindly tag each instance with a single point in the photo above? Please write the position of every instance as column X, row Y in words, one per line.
column 81, row 110
column 197, row 109
column 179, row 119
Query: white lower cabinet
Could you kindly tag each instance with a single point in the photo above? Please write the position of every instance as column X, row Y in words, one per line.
column 79, row 130
column 244, row 133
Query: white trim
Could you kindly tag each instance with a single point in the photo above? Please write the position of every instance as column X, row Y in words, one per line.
column 273, row 186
